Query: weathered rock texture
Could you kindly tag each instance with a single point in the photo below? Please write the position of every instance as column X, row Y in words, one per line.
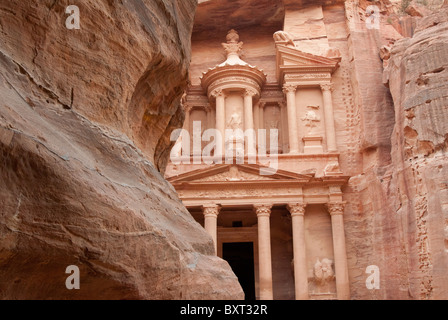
column 85, row 120
column 418, row 79
column 396, row 208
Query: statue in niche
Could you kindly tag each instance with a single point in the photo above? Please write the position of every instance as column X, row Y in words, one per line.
column 273, row 122
column 234, row 122
column 323, row 274
column 235, row 141
column 311, row 118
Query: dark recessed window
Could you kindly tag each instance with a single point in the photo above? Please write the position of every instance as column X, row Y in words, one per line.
column 237, row 224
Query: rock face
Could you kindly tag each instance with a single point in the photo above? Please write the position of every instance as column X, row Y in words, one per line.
column 396, row 209
column 417, row 75
column 85, row 121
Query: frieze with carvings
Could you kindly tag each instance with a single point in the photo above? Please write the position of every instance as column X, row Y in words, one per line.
column 236, row 193
column 243, row 80
column 234, row 175
column 308, row 76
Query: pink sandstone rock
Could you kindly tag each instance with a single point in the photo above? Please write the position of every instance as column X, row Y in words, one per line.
column 418, row 79
column 85, row 120
column 417, row 10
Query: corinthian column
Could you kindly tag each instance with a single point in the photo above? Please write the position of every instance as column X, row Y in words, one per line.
column 297, row 211
column 220, row 115
column 336, row 210
column 329, row 116
column 290, row 91
column 264, row 251
column 249, row 120
column 211, row 221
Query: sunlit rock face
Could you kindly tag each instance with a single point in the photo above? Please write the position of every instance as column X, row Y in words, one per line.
column 85, row 122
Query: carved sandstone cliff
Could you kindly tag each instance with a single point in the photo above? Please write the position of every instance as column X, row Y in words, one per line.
column 85, row 120
column 417, row 75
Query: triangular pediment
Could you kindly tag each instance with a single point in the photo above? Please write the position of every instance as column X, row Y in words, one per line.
column 236, row 173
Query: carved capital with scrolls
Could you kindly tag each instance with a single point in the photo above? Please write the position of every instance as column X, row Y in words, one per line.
column 207, row 108
column 263, row 210
column 211, row 210
column 282, row 104
column 287, row 88
column 297, row 209
column 250, row 93
column 327, row 87
column 336, row 208
column 187, row 107
column 217, row 93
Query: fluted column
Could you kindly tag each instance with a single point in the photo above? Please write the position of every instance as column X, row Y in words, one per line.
column 211, row 221
column 336, row 210
column 290, row 91
column 264, row 251
column 220, row 115
column 329, row 116
column 297, row 211
column 249, row 120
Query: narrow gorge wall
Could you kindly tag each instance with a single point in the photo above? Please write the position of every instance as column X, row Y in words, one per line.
column 417, row 75
column 85, row 120
column 396, row 212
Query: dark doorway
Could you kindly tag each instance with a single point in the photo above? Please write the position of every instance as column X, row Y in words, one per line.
column 240, row 256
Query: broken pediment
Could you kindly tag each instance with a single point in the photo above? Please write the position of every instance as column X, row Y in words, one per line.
column 292, row 61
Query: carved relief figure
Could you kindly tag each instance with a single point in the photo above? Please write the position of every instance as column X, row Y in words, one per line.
column 234, row 122
column 311, row 118
column 323, row 273
column 234, row 174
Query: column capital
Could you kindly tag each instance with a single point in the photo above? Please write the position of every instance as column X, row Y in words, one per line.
column 297, row 208
column 327, row 87
column 250, row 93
column 289, row 88
column 211, row 210
column 282, row 104
column 187, row 107
column 336, row 208
column 217, row 93
column 207, row 108
column 263, row 210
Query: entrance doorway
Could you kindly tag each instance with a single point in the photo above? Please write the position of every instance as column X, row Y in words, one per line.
column 240, row 256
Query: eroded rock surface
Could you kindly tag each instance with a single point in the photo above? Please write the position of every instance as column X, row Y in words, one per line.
column 418, row 79
column 85, row 120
